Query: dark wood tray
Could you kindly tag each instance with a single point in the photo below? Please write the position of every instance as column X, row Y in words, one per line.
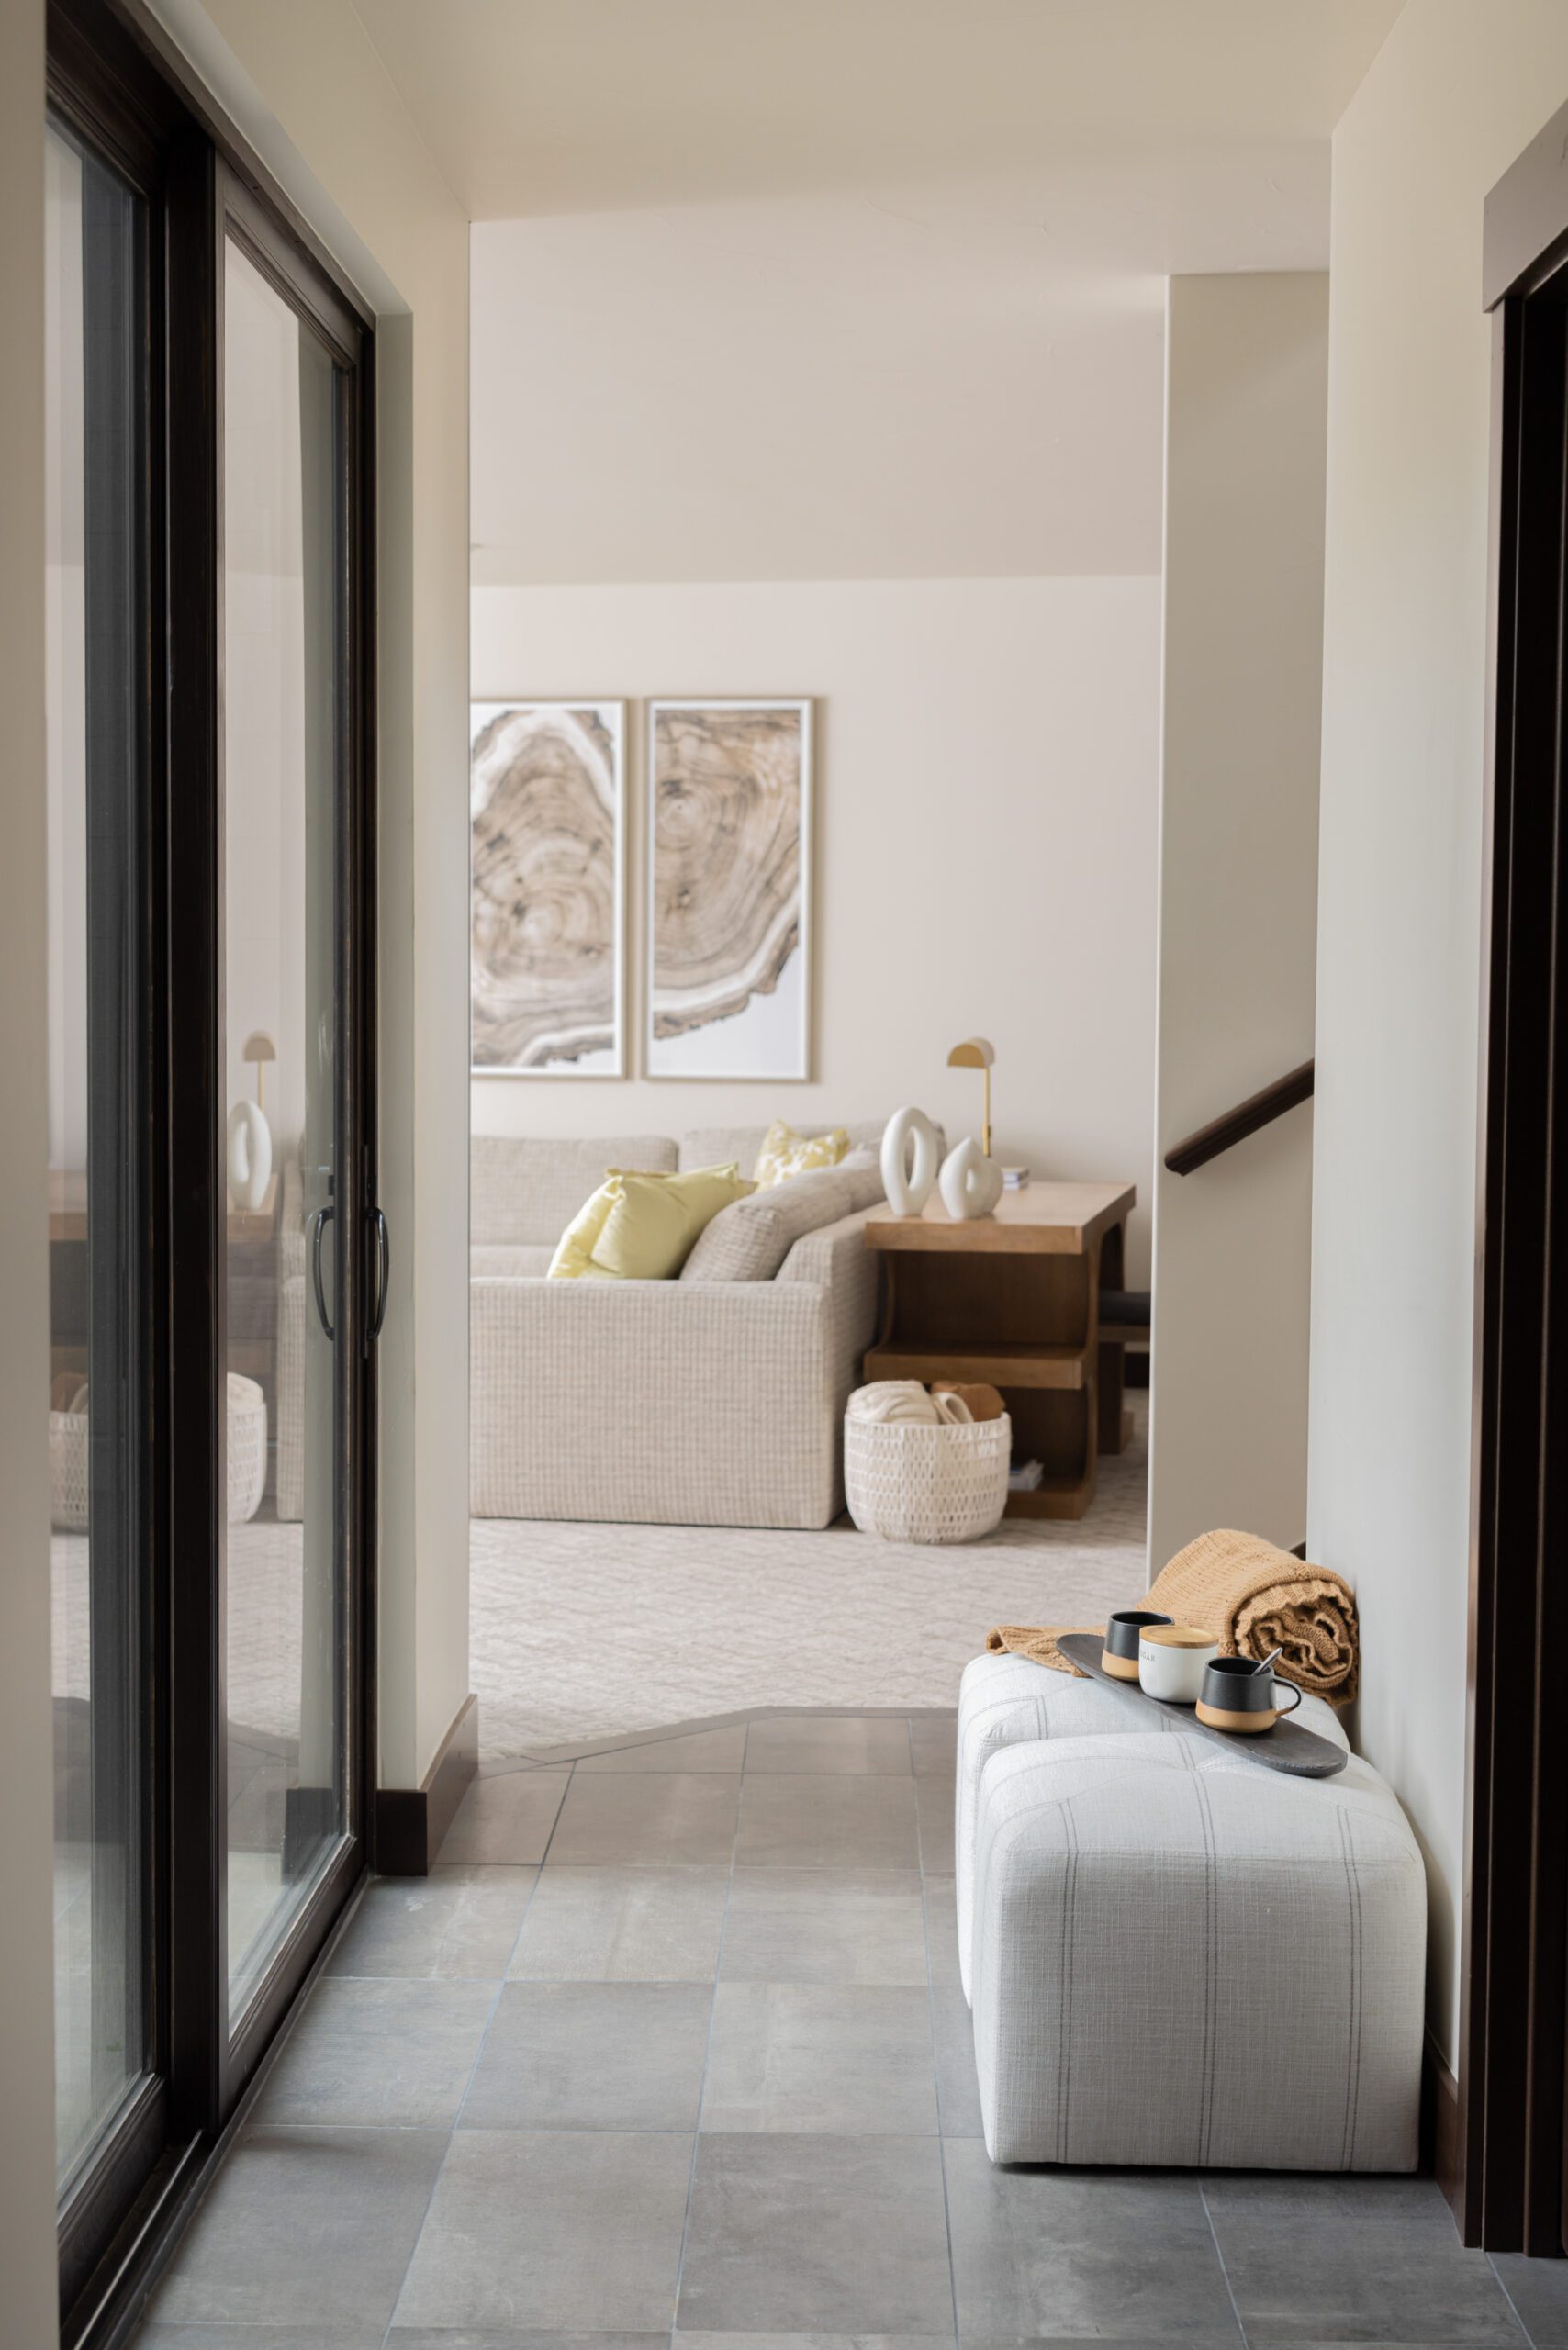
column 1299, row 1754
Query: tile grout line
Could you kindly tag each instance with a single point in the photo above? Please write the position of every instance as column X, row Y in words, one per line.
column 936, row 2064
column 1513, row 2305
column 1214, row 2239
column 478, row 2059
column 707, row 2056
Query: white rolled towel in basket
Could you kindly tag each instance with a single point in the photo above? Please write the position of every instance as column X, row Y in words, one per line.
column 887, row 1401
column 921, row 1468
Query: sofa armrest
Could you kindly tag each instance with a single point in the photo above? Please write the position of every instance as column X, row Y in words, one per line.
column 836, row 1260
column 662, row 1402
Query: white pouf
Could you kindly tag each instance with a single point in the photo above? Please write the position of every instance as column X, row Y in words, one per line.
column 1006, row 1700
column 1182, row 1958
column 70, row 1463
column 918, row 1482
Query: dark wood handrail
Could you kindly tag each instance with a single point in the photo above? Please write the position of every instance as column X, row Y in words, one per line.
column 1258, row 1110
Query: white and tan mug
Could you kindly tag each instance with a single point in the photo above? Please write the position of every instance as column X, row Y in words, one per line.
column 1173, row 1660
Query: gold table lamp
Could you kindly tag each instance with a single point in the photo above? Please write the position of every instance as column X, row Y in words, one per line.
column 977, row 1052
column 259, row 1048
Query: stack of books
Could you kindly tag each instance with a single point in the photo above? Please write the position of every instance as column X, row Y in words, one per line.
column 1026, row 1479
column 1016, row 1178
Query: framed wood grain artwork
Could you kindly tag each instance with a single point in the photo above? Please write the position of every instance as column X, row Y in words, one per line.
column 547, row 890
column 728, row 888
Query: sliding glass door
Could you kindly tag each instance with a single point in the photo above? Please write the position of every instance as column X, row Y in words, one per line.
column 96, row 633
column 285, row 1636
column 217, row 1263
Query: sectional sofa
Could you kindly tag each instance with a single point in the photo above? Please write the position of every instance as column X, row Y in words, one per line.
column 695, row 1402
column 703, row 1401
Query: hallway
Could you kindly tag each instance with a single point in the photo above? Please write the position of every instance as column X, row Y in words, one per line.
column 671, row 2044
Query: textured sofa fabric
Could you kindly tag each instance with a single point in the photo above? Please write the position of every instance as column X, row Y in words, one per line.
column 749, row 1240
column 526, row 1193
column 702, row 1401
column 726, row 1398
column 670, row 1402
column 716, row 1145
column 1006, row 1700
column 1182, row 1958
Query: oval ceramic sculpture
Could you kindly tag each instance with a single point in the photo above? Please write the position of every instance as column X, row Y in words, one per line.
column 908, row 1183
column 972, row 1183
column 249, row 1155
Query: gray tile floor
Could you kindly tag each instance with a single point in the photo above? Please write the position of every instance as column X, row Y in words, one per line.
column 671, row 2044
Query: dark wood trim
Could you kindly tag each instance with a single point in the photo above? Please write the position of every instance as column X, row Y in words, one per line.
column 1258, row 1110
column 1511, row 2113
column 411, row 1822
column 1524, row 234
column 170, row 65
column 1439, row 2123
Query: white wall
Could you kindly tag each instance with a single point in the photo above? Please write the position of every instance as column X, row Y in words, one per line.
column 304, row 82
column 984, row 846
column 1454, row 96
column 27, row 1827
column 1245, row 368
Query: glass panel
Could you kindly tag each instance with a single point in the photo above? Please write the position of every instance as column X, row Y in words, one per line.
column 285, row 1600
column 95, row 693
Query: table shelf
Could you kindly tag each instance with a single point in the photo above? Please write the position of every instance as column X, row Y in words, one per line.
column 997, row 1364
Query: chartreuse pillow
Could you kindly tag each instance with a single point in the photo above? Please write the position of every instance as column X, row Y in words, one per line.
column 785, row 1153
column 641, row 1227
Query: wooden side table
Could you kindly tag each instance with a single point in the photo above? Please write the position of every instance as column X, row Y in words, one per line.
column 1013, row 1300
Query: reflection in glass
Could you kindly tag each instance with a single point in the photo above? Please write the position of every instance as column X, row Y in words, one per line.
column 284, row 1635
column 96, row 696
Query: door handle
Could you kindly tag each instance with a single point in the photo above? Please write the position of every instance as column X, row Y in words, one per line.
column 383, row 1275
column 319, row 1223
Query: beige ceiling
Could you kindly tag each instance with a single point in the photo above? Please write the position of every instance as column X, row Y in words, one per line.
column 814, row 288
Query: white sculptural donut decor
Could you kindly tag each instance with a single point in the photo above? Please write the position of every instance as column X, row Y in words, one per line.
column 908, row 1181
column 972, row 1183
column 250, row 1154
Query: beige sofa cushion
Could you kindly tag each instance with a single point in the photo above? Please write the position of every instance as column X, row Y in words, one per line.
column 749, row 1241
column 526, row 1193
column 526, row 1262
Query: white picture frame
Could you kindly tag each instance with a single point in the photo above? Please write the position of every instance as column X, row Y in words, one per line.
column 560, row 856
column 750, row 1022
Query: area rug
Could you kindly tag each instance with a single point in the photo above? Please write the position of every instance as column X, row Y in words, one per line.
column 581, row 1631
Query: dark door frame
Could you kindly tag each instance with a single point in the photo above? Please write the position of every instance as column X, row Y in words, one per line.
column 1510, row 2176
column 120, row 87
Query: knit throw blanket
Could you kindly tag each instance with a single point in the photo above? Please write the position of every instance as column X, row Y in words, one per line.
column 1252, row 1598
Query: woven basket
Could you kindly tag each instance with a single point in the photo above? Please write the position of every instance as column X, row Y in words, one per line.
column 914, row 1483
column 70, row 1470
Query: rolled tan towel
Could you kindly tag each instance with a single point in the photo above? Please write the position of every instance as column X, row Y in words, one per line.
column 1253, row 1597
column 984, row 1402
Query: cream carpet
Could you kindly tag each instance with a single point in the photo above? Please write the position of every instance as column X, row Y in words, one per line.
column 582, row 1632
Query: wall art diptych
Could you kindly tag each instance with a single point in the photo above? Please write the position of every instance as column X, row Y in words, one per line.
column 729, row 795
column 548, row 811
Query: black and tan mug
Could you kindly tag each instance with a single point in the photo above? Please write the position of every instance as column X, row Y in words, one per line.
column 1122, row 1634
column 1238, row 1695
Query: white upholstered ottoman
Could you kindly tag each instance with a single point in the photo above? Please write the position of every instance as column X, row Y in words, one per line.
column 1010, row 1701
column 1182, row 1958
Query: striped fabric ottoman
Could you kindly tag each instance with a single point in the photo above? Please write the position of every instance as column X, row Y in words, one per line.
column 1182, row 1958
column 1009, row 1701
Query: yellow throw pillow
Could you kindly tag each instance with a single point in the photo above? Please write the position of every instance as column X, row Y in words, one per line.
column 785, row 1153
column 642, row 1227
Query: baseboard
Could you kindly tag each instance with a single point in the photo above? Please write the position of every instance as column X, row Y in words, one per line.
column 411, row 1822
column 1439, row 2125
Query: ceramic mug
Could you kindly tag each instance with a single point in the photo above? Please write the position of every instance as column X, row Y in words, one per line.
column 1120, row 1657
column 1173, row 1660
column 1238, row 1695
